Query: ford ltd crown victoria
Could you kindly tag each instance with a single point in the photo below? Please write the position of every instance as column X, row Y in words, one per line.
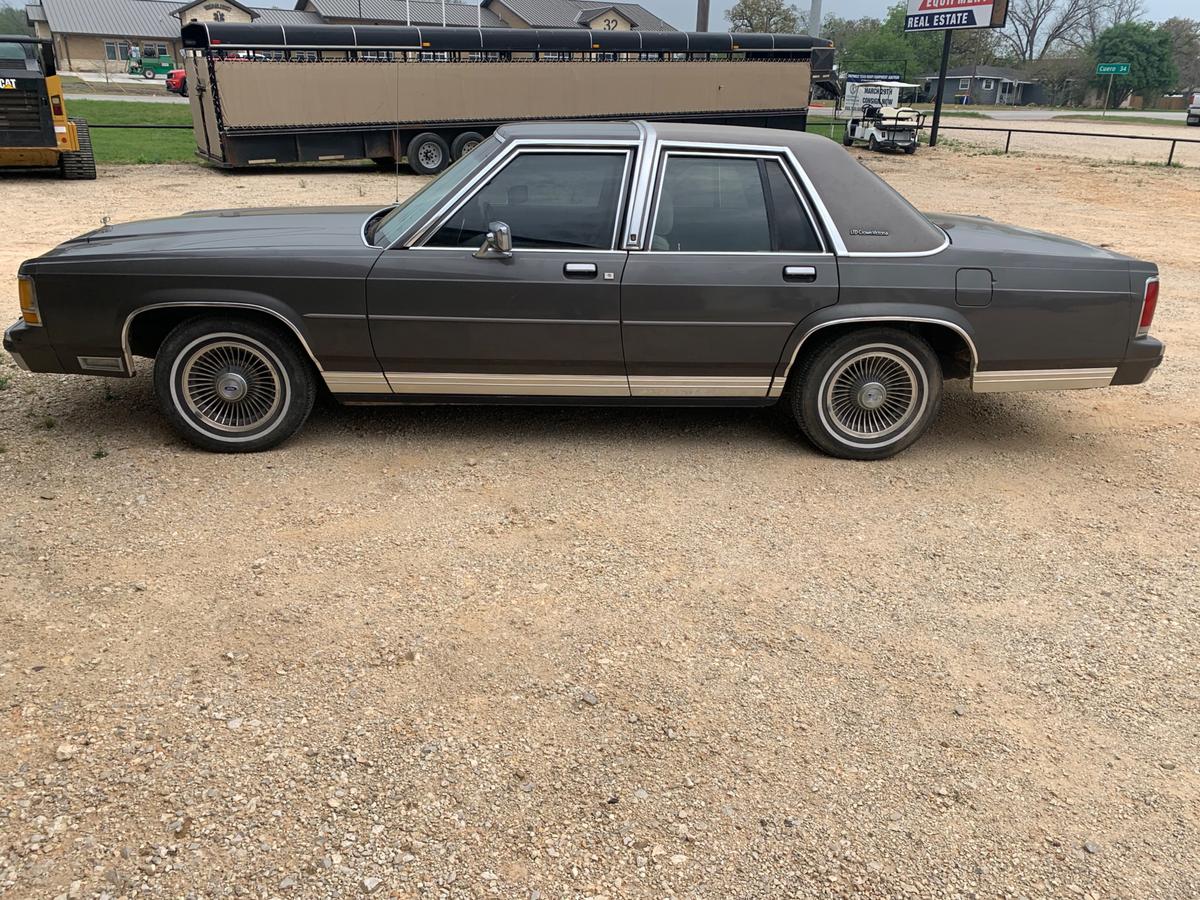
column 598, row 263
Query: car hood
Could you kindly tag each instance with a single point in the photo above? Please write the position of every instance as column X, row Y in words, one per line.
column 227, row 230
column 981, row 233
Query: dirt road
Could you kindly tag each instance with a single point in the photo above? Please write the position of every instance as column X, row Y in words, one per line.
column 605, row 653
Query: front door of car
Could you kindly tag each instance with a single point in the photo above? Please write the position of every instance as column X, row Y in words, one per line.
column 541, row 319
column 735, row 261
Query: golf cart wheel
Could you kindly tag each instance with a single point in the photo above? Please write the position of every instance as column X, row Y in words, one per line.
column 148, row 73
column 910, row 149
column 428, row 154
column 465, row 143
column 873, row 145
column 867, row 394
column 847, row 140
column 79, row 165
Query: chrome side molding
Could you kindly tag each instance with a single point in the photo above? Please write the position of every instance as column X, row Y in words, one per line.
column 1041, row 380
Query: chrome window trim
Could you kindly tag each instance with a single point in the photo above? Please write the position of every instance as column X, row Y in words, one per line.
column 612, row 244
column 737, row 154
column 509, row 148
column 778, row 384
column 210, row 304
column 524, row 251
column 814, row 196
column 362, row 231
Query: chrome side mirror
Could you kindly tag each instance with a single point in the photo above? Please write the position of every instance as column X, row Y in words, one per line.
column 497, row 243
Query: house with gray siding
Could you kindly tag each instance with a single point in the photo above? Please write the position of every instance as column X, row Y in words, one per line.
column 992, row 85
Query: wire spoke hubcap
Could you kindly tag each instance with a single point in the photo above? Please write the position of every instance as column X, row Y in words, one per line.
column 872, row 394
column 231, row 386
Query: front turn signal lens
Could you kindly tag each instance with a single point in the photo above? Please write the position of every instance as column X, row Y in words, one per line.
column 29, row 304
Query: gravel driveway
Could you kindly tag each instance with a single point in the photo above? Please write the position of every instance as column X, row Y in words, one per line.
column 472, row 652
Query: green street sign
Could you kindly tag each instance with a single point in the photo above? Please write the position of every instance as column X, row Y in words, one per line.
column 1112, row 69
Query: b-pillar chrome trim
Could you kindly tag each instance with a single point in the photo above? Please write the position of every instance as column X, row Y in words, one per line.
column 1041, row 380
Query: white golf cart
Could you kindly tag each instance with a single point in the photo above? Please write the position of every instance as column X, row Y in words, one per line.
column 884, row 126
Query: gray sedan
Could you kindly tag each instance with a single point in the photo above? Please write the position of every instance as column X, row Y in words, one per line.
column 602, row 263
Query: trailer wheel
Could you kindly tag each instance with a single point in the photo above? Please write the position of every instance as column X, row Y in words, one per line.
column 428, row 154
column 465, row 143
column 79, row 165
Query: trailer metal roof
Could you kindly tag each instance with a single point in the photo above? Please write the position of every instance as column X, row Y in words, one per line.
column 199, row 35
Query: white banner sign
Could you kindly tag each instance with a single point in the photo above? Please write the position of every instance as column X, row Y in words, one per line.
column 939, row 15
column 861, row 95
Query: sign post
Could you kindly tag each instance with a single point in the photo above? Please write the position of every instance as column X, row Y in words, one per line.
column 1110, row 69
column 948, row 16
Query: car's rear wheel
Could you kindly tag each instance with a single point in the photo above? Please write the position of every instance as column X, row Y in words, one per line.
column 428, row 154
column 867, row 394
column 233, row 385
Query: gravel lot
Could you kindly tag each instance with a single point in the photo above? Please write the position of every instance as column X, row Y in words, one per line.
column 1087, row 145
column 554, row 653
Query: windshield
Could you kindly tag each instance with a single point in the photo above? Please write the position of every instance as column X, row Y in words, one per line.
column 13, row 56
column 408, row 213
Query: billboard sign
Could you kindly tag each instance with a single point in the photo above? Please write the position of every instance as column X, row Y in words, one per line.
column 940, row 15
column 871, row 89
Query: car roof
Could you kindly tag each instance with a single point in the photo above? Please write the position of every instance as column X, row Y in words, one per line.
column 868, row 214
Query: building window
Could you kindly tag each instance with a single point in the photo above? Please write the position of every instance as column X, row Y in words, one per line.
column 154, row 50
column 989, row 84
column 964, row 84
column 116, row 51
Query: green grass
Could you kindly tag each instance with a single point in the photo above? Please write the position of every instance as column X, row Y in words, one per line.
column 822, row 127
column 1122, row 120
column 137, row 145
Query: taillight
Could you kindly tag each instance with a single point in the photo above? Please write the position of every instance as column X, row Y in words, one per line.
column 56, row 105
column 1149, row 303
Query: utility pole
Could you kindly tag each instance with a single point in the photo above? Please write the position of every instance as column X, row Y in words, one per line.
column 941, row 88
column 702, row 15
column 814, row 18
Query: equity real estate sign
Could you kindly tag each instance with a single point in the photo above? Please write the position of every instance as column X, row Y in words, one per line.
column 939, row 15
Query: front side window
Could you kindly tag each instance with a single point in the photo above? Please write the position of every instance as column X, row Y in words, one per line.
column 988, row 84
column 713, row 204
column 964, row 84
column 548, row 200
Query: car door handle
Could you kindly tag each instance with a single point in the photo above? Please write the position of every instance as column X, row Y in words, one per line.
column 580, row 270
column 799, row 273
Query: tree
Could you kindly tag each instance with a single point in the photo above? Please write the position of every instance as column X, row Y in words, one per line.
column 765, row 16
column 1147, row 50
column 13, row 21
column 1035, row 27
column 1185, row 51
column 1064, row 79
column 868, row 44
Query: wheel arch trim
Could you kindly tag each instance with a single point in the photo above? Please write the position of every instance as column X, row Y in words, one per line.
column 780, row 380
column 211, row 305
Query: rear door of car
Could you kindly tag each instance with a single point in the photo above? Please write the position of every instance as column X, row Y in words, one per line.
column 543, row 321
column 733, row 260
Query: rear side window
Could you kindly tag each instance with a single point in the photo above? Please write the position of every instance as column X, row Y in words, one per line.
column 548, row 201
column 715, row 204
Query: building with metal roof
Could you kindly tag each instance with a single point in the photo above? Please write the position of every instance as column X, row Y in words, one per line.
column 597, row 16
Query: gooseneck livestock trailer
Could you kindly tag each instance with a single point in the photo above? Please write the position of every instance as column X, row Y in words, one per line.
column 264, row 94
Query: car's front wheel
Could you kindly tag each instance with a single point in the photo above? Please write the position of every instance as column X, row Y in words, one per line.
column 867, row 394
column 233, row 385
